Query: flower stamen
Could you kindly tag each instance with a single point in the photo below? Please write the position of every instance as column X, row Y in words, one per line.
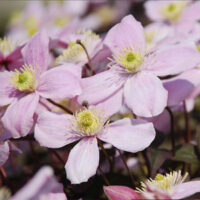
column 24, row 79
column 88, row 122
column 166, row 182
column 129, row 59
column 172, row 11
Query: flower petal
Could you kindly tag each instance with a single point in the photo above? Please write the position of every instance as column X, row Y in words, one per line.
column 59, row 83
column 111, row 105
column 174, row 59
column 129, row 32
column 36, row 51
column 4, row 152
column 129, row 135
column 153, row 8
column 182, row 86
column 145, row 94
column 52, row 130
column 83, row 161
column 7, row 91
column 101, row 86
column 186, row 189
column 18, row 118
column 42, row 186
column 115, row 192
column 161, row 122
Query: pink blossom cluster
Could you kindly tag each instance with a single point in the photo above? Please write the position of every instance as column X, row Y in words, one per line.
column 67, row 87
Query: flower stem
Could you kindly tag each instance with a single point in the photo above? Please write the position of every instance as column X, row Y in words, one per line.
column 147, row 162
column 172, row 130
column 104, row 177
column 126, row 166
column 60, row 106
column 57, row 156
column 89, row 65
column 106, row 155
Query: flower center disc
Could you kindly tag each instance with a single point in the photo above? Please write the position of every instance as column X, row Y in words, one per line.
column 24, row 79
column 130, row 60
column 87, row 121
column 172, row 12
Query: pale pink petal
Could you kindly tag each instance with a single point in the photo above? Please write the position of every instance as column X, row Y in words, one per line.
column 145, row 94
column 186, row 189
column 182, row 86
column 111, row 105
column 36, row 51
column 191, row 13
column 161, row 122
column 129, row 135
column 128, row 33
column 75, row 69
column 83, row 161
column 178, row 90
column 4, row 152
column 189, row 103
column 53, row 130
column 174, row 59
column 18, row 118
column 115, row 192
column 42, row 186
column 101, row 86
column 76, row 8
column 59, row 83
column 152, row 9
column 7, row 92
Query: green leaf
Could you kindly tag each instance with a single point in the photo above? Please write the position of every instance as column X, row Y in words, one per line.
column 186, row 154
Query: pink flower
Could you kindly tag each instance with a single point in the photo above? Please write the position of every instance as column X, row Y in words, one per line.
column 172, row 185
column 169, row 186
column 23, row 88
column 173, row 12
column 55, row 131
column 75, row 53
column 132, row 78
column 42, row 186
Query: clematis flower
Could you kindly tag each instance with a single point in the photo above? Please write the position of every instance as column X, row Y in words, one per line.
column 171, row 184
column 42, row 186
column 132, row 77
column 55, row 131
column 23, row 25
column 173, row 12
column 23, row 88
column 75, row 53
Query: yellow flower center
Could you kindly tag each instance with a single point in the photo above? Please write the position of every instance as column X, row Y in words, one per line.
column 88, row 122
column 75, row 52
column 129, row 59
column 7, row 46
column 172, row 11
column 32, row 25
column 165, row 182
column 24, row 79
